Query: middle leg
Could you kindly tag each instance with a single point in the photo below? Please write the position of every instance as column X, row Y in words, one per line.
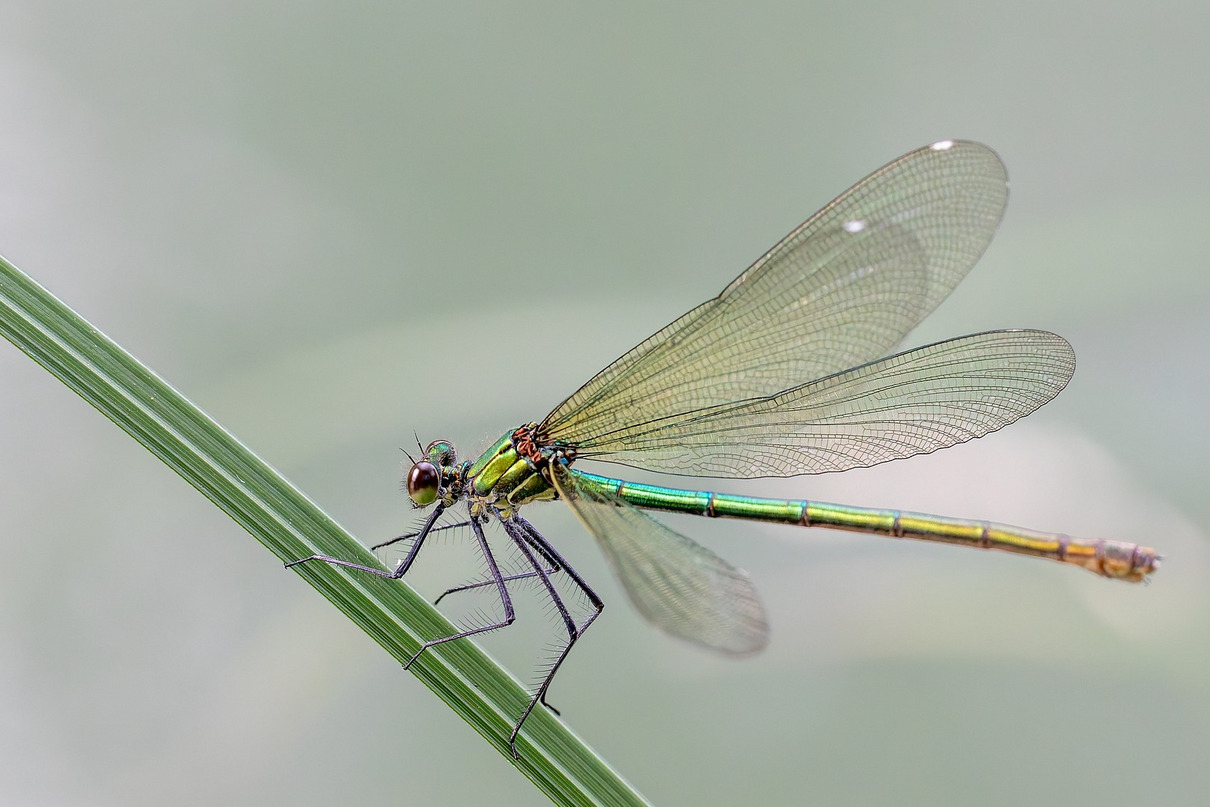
column 505, row 599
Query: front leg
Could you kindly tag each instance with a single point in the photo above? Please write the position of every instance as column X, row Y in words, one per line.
column 403, row 566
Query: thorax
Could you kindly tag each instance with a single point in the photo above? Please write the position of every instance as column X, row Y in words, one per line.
column 512, row 472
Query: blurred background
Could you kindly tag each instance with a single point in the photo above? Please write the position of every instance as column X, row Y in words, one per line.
column 324, row 223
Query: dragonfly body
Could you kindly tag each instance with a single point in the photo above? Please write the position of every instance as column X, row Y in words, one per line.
column 790, row 370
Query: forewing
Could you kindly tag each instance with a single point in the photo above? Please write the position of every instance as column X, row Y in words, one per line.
column 675, row 583
column 841, row 290
column 911, row 403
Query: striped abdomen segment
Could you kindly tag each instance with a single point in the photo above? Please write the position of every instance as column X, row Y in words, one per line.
column 1116, row 559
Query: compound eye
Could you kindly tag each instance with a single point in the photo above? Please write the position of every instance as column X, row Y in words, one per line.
column 423, row 482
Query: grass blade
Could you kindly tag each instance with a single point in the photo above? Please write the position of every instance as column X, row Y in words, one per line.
column 291, row 526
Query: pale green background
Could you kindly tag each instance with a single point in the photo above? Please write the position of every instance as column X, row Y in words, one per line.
column 331, row 224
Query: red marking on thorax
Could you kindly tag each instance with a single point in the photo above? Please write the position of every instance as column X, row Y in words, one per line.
column 526, row 446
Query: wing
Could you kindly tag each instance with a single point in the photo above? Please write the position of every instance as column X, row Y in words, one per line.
column 841, row 290
column 675, row 583
column 911, row 403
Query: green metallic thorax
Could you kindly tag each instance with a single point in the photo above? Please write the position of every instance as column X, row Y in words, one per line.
column 505, row 479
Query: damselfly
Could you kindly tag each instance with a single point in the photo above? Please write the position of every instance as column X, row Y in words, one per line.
column 790, row 370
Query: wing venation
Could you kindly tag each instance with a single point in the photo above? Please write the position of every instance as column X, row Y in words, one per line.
column 911, row 403
column 841, row 290
column 675, row 583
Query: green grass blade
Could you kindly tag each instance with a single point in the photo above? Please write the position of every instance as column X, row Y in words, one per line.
column 279, row 516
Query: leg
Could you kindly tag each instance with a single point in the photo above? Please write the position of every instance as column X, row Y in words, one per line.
column 498, row 579
column 403, row 566
column 550, row 561
column 524, row 544
column 540, row 546
column 508, row 578
column 399, row 538
column 525, row 536
column 522, row 541
column 598, row 604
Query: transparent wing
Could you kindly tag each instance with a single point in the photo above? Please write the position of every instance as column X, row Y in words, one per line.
column 841, row 290
column 675, row 583
column 911, row 403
